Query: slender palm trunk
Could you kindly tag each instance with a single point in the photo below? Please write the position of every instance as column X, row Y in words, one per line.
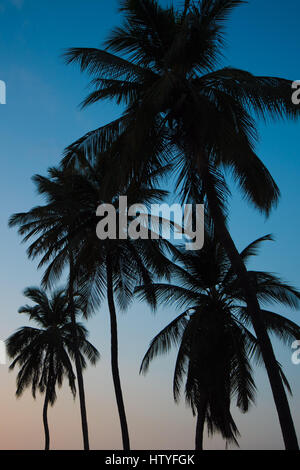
column 80, row 382
column 50, row 385
column 114, row 359
column 201, row 412
column 279, row 394
column 45, row 421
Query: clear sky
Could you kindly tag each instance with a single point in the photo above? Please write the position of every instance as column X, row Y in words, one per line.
column 40, row 118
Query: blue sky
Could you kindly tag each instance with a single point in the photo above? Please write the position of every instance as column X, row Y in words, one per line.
column 42, row 116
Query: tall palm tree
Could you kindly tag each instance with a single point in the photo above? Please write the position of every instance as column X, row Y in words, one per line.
column 44, row 355
column 215, row 345
column 179, row 107
column 55, row 223
column 67, row 224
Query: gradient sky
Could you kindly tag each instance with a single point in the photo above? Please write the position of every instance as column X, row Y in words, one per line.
column 40, row 118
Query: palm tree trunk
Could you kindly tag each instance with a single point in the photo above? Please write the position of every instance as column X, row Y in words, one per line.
column 50, row 384
column 114, row 359
column 80, row 382
column 45, row 421
column 279, row 394
column 201, row 412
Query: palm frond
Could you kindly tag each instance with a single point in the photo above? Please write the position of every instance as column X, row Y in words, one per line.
column 163, row 342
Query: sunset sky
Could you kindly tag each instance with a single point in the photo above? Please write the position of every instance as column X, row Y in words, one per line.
column 40, row 119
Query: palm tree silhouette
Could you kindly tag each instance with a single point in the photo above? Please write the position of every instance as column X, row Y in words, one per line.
column 67, row 224
column 55, row 222
column 215, row 345
column 44, row 355
column 181, row 109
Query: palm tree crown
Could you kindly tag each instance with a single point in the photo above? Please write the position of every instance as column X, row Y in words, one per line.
column 163, row 65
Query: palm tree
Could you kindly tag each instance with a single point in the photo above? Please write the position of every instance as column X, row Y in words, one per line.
column 212, row 334
column 44, row 355
column 180, row 108
column 55, row 222
column 67, row 224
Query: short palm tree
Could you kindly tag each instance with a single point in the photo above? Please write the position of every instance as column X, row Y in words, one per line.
column 67, row 224
column 215, row 345
column 162, row 64
column 44, row 355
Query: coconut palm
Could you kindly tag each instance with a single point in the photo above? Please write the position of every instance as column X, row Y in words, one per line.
column 116, row 266
column 67, row 224
column 162, row 64
column 55, row 223
column 44, row 354
column 215, row 344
